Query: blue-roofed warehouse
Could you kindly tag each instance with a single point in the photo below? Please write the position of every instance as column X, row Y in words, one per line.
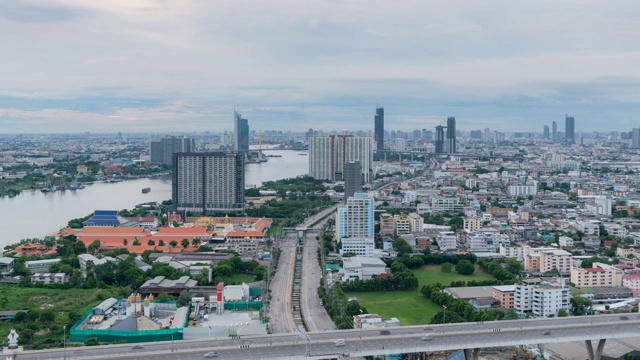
column 105, row 218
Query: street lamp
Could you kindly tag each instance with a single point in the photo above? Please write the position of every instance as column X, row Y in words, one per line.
column 64, row 341
column 444, row 317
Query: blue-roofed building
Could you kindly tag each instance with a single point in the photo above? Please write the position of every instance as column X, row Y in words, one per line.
column 105, row 218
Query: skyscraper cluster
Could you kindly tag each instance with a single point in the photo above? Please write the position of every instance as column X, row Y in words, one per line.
column 329, row 155
column 446, row 144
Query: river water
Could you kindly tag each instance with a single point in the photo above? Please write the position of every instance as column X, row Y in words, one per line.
column 35, row 214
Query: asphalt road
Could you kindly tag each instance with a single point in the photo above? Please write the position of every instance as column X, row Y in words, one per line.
column 315, row 315
column 281, row 317
column 371, row 342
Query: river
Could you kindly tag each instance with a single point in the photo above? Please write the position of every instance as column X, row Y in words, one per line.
column 33, row 214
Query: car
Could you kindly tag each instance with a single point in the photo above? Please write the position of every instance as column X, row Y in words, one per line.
column 385, row 332
column 428, row 328
column 624, row 318
column 339, row 342
column 546, row 332
column 138, row 347
column 427, row 337
column 211, row 354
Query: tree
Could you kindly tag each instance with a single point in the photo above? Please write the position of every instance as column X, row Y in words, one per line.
column 446, row 267
column 151, row 242
column 184, row 243
column 173, row 243
column 563, row 313
column 465, row 267
column 160, row 243
column 47, row 316
column 580, row 305
column 195, row 241
column 124, row 242
column 184, row 298
column 94, row 341
column 93, row 247
column 513, row 266
column 20, row 316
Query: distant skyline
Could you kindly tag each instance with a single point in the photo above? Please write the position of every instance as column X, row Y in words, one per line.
column 182, row 66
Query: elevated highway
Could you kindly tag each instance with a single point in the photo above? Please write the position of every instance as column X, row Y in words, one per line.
column 471, row 337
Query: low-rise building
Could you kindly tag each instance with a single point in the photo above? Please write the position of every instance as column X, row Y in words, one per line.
column 363, row 268
column 565, row 241
column 40, row 266
column 46, row 278
column 416, row 223
column 387, row 225
column 447, row 240
column 486, row 241
column 632, row 282
column 472, row 224
column 600, row 275
column 403, row 224
column 360, row 246
column 509, row 251
column 506, row 295
column 541, row 298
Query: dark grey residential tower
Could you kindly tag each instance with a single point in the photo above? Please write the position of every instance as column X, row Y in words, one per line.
column 439, row 139
column 352, row 178
column 554, row 132
column 206, row 183
column 569, row 130
column 241, row 132
column 378, row 131
column 545, row 132
column 451, row 135
column 161, row 151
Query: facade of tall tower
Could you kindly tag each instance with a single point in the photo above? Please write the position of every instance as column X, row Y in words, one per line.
column 328, row 156
column 545, row 132
column 378, row 132
column 635, row 138
column 209, row 182
column 451, row 135
column 241, row 132
column 569, row 130
column 352, row 179
column 439, row 139
column 161, row 151
column 554, row 132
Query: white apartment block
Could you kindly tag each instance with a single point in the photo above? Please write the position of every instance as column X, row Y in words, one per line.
column 541, row 298
column 616, row 230
column 600, row 275
column 360, row 246
column 471, row 224
column 416, row 223
column 447, row 240
column 601, row 205
column 486, row 241
column 523, row 190
column 589, row 227
column 445, row 204
column 516, row 252
column 565, row 241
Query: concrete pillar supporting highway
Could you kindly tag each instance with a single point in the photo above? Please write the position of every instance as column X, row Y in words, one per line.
column 598, row 353
column 471, row 354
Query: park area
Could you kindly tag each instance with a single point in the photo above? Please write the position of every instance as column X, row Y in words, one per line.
column 410, row 307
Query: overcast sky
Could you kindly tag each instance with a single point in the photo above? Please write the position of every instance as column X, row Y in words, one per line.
column 170, row 66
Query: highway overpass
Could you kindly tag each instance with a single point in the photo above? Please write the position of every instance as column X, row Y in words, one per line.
column 468, row 336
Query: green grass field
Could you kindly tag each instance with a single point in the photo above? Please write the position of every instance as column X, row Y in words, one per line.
column 62, row 301
column 410, row 307
column 239, row 278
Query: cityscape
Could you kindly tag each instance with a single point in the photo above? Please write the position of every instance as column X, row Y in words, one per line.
column 325, row 181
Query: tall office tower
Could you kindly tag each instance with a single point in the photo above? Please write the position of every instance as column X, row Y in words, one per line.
column 328, row 156
column 451, row 135
column 439, row 139
column 205, row 183
column 378, row 132
column 545, row 132
column 554, row 132
column 355, row 219
column 487, row 134
column 241, row 131
column 162, row 150
column 352, row 178
column 635, row 136
column 569, row 130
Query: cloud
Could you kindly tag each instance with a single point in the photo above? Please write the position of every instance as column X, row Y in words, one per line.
column 290, row 65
